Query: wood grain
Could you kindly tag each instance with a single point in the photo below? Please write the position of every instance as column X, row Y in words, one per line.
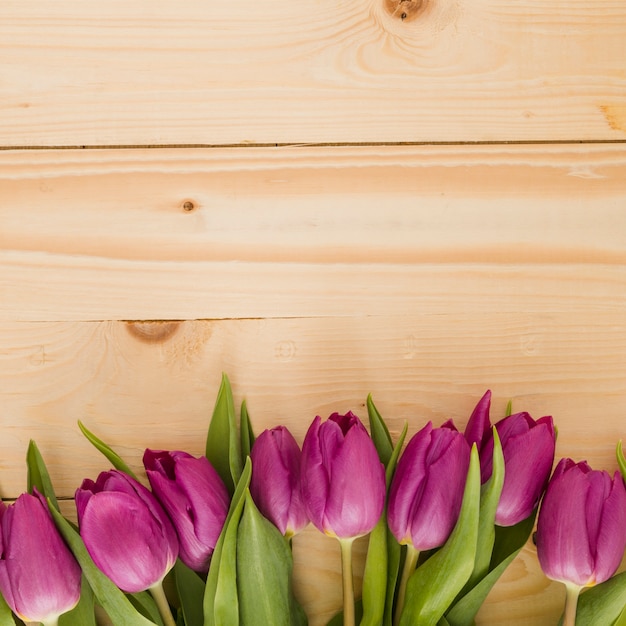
column 77, row 72
column 287, row 232
column 151, row 384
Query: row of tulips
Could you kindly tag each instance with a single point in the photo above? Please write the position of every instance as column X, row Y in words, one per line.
column 446, row 514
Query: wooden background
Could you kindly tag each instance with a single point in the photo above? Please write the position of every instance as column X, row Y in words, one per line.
column 419, row 200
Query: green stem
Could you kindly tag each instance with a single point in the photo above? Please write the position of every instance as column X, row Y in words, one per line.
column 348, row 583
column 571, row 601
column 410, row 563
column 53, row 621
column 162, row 604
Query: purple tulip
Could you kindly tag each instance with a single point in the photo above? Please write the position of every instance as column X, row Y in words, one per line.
column 196, row 499
column 275, row 484
column 39, row 577
column 528, row 448
column 126, row 531
column 343, row 480
column 581, row 531
column 427, row 488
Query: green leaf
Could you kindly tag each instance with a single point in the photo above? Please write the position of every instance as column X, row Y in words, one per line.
column 509, row 408
column 466, row 609
column 383, row 556
column 38, row 474
column 621, row 620
column 145, row 604
column 190, row 589
column 621, row 461
column 434, row 585
column 510, row 539
column 83, row 613
column 112, row 600
column 247, row 434
column 603, row 604
column 264, row 571
column 6, row 615
column 222, row 443
column 379, row 432
column 115, row 459
column 221, row 606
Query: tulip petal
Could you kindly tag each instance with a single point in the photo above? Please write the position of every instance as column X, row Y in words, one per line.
column 479, row 423
column 115, row 526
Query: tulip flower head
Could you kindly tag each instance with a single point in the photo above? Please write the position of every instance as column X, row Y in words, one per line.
column 343, row 480
column 126, row 531
column 581, row 530
column 427, row 489
column 275, row 484
column 195, row 498
column 39, row 577
column 528, row 447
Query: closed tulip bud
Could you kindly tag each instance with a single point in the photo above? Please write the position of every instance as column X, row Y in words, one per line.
column 39, row 577
column 195, row 498
column 528, row 447
column 427, row 488
column 343, row 480
column 126, row 531
column 581, row 530
column 275, row 483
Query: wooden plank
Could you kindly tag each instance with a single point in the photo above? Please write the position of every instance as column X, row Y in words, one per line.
column 154, row 384
column 310, row 231
column 77, row 72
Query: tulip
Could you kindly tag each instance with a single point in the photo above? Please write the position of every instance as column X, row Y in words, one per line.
column 343, row 486
column 427, row 489
column 528, row 448
column 426, row 493
column 195, row 498
column 39, row 577
column 275, row 483
column 126, row 531
column 581, row 530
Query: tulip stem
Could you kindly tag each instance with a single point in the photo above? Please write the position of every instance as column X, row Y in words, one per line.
column 410, row 562
column 571, row 601
column 54, row 621
column 348, row 582
column 162, row 604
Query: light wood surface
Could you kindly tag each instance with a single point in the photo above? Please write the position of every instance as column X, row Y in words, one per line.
column 84, row 72
column 460, row 224
column 284, row 232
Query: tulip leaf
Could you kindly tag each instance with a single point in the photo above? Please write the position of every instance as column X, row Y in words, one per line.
column 603, row 604
column 509, row 409
column 621, row 461
column 433, row 585
column 6, row 615
column 190, row 589
column 379, row 432
column 245, row 428
column 115, row 459
column 510, row 539
column 383, row 558
column 222, row 443
column 145, row 604
column 337, row 619
column 83, row 613
column 112, row 600
column 220, row 596
column 264, row 571
column 38, row 474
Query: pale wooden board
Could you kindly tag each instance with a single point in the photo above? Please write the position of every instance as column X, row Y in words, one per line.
column 288, row 232
column 76, row 72
column 154, row 384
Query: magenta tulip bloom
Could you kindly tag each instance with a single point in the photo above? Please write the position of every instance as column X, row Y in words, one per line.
column 581, row 531
column 126, row 531
column 427, row 488
column 196, row 499
column 39, row 577
column 275, row 483
column 528, row 448
column 343, row 480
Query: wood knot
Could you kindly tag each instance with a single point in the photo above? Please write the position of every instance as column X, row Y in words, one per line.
column 153, row 331
column 405, row 10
